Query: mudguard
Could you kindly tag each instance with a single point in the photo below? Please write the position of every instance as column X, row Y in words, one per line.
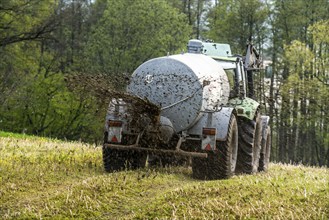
column 219, row 120
column 246, row 107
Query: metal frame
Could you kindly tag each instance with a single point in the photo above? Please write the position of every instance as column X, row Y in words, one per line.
column 177, row 151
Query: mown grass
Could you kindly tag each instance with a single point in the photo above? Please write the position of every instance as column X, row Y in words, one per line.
column 44, row 178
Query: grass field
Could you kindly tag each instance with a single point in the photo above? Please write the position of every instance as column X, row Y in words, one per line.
column 50, row 179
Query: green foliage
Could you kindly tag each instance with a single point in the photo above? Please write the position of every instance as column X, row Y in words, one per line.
column 195, row 11
column 41, row 104
column 34, row 96
column 292, row 18
column 24, row 20
column 306, row 92
column 299, row 58
column 234, row 22
column 131, row 32
column 44, row 178
column 319, row 32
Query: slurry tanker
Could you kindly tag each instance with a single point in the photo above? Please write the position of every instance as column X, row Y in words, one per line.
column 196, row 106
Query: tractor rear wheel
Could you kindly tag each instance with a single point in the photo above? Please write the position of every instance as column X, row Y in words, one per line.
column 219, row 164
column 249, row 145
column 265, row 152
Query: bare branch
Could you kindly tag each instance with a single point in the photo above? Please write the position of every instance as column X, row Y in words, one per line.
column 322, row 81
column 39, row 32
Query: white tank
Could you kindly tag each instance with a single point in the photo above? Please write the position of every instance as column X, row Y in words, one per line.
column 183, row 85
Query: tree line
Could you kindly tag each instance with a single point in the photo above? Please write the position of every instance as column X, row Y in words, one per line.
column 43, row 43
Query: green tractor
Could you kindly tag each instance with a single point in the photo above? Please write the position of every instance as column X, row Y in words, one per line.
column 254, row 131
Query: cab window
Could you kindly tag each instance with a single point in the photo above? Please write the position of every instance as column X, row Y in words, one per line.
column 231, row 75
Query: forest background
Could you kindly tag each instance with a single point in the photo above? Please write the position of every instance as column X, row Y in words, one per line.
column 44, row 42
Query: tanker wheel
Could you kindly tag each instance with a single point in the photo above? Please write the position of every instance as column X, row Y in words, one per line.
column 117, row 160
column 265, row 152
column 249, row 145
column 219, row 164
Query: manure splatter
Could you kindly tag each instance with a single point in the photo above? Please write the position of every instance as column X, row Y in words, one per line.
column 99, row 85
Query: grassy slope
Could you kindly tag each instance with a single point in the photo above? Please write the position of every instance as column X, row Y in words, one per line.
column 42, row 178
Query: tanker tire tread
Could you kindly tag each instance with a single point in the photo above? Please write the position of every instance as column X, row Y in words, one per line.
column 112, row 160
column 118, row 160
column 218, row 165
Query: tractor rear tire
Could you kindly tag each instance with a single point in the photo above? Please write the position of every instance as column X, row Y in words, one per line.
column 219, row 164
column 249, row 145
column 265, row 152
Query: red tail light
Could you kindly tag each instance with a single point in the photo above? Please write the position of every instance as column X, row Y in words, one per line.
column 209, row 131
column 113, row 123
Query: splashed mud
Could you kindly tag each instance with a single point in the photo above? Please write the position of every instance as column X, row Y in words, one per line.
column 99, row 85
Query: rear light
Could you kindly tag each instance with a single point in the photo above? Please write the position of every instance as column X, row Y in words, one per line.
column 114, row 139
column 209, row 131
column 114, row 131
column 113, row 123
column 208, row 141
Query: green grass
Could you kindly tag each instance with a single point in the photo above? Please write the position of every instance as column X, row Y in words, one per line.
column 14, row 135
column 44, row 178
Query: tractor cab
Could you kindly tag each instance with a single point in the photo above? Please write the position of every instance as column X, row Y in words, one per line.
column 239, row 71
column 233, row 65
column 209, row 48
